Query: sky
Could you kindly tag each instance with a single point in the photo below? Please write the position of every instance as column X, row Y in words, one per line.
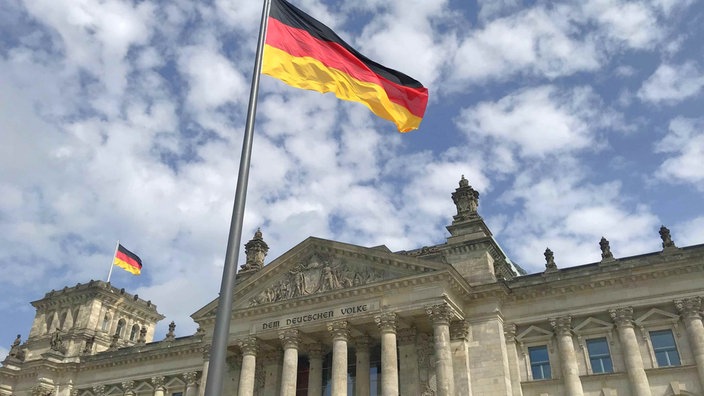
column 123, row 120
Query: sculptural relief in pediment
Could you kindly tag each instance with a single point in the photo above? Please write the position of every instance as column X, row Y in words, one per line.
column 318, row 274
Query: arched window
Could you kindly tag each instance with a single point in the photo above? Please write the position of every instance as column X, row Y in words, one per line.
column 134, row 332
column 106, row 323
column 120, row 327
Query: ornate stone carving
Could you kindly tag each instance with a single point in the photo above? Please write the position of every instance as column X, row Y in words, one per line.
column 159, row 382
column 320, row 273
column 562, row 325
column 623, row 317
column 16, row 350
column 605, row 249
column 57, row 344
column 386, row 322
column 406, row 336
column 114, row 343
column 249, row 346
column 289, row 338
column 550, row 265
column 339, row 330
column 689, row 308
column 206, row 351
column 439, row 313
column 42, row 390
column 459, row 330
column 255, row 250
column 99, row 390
column 171, row 335
column 88, row 346
column 466, row 200
column 191, row 378
column 666, row 238
column 128, row 386
column 510, row 332
column 142, row 335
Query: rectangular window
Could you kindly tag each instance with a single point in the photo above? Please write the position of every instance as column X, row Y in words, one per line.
column 665, row 348
column 539, row 362
column 599, row 356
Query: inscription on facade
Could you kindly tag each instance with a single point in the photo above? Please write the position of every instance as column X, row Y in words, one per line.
column 308, row 317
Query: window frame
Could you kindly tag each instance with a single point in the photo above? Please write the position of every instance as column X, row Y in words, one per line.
column 542, row 364
column 675, row 347
column 589, row 356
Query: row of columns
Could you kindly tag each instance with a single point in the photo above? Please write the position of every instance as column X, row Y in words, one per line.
column 440, row 315
column 157, row 382
column 690, row 311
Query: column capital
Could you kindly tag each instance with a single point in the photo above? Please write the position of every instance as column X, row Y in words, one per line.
column 159, row 382
column 128, row 386
column 406, row 336
column 315, row 351
column 206, row 351
column 459, row 330
column 510, row 332
column 439, row 313
column 249, row 346
column 289, row 338
column 339, row 330
column 190, row 378
column 623, row 316
column 97, row 389
column 690, row 307
column 562, row 325
column 386, row 322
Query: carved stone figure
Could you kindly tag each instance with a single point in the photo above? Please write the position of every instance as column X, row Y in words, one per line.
column 171, row 335
column 255, row 250
column 15, row 350
column 666, row 238
column 56, row 343
column 466, row 200
column 328, row 280
column 549, row 261
column 605, row 249
column 88, row 348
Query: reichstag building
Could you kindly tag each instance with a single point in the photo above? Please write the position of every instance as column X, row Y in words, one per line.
column 331, row 318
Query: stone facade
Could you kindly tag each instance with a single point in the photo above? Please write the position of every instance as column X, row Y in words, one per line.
column 329, row 318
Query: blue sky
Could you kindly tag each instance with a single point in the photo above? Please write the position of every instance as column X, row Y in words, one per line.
column 124, row 120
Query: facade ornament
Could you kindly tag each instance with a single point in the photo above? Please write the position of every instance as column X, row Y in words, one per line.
column 206, row 352
column 42, row 390
column 666, row 238
column 439, row 313
column 466, row 200
column 249, row 346
column 159, row 382
column 171, row 335
column 510, row 332
column 459, row 330
column 191, row 378
column 289, row 338
column 339, row 330
column 623, row 317
column 114, row 342
column 689, row 308
column 142, row 335
column 386, row 322
column 16, row 350
column 56, row 343
column 200, row 332
column 562, row 325
column 318, row 274
column 255, row 250
column 88, row 346
column 99, row 390
column 128, row 387
column 605, row 249
column 550, row 265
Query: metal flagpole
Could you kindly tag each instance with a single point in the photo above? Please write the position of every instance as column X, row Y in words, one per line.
column 218, row 350
column 112, row 261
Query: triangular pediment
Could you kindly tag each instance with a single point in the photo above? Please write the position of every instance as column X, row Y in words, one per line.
column 592, row 326
column 656, row 316
column 533, row 333
column 317, row 266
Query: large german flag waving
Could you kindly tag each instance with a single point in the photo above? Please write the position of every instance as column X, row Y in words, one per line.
column 127, row 260
column 306, row 54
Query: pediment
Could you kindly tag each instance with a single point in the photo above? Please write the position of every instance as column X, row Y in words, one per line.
column 656, row 316
column 318, row 266
column 593, row 325
column 533, row 333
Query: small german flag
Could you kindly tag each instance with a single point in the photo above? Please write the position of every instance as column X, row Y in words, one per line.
column 304, row 53
column 127, row 260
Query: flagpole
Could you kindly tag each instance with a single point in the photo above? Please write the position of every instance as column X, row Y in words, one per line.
column 112, row 261
column 218, row 350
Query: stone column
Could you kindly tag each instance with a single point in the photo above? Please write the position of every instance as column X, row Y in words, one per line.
column 315, row 370
column 459, row 336
column 389, row 354
column 568, row 359
column 289, row 341
column 249, row 364
column 440, row 315
column 623, row 317
column 408, row 362
column 206, row 364
column 340, row 334
column 191, row 379
column 690, row 310
column 159, row 388
column 362, row 374
column 512, row 352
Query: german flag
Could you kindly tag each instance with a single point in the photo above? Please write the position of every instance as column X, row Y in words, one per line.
column 304, row 53
column 127, row 260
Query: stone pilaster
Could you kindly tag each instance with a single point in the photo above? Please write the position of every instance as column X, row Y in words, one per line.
column 249, row 348
column 440, row 314
column 289, row 341
column 690, row 311
column 362, row 387
column 568, row 359
column 408, row 362
column 389, row 355
column 206, row 364
column 340, row 334
column 191, row 380
column 159, row 385
column 459, row 336
column 623, row 317
column 315, row 371
column 512, row 352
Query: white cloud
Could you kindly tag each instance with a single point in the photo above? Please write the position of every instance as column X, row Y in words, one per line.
column 689, row 232
column 631, row 23
column 212, row 79
column 684, row 145
column 671, row 84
